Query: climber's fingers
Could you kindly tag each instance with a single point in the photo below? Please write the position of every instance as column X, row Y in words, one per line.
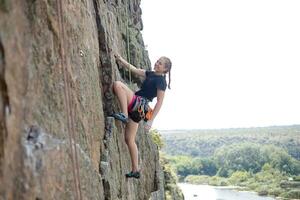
column 117, row 56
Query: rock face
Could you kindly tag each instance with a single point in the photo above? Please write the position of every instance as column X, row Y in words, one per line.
column 56, row 72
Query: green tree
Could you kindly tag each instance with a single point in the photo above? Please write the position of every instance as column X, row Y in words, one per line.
column 280, row 159
column 208, row 167
column 240, row 157
column 156, row 138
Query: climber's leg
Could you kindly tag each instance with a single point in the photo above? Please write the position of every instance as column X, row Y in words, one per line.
column 124, row 95
column 130, row 133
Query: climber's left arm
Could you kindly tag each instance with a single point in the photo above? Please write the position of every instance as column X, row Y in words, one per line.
column 156, row 109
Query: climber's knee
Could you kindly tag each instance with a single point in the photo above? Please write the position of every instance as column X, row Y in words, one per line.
column 129, row 141
column 117, row 85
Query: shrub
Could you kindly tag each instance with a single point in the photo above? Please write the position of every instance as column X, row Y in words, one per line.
column 262, row 191
column 292, row 194
column 296, row 178
column 218, row 181
column 223, row 183
column 238, row 177
column 253, row 186
column 275, row 191
column 197, row 179
column 156, row 138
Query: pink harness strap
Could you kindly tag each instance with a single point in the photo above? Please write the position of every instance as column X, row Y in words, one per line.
column 129, row 107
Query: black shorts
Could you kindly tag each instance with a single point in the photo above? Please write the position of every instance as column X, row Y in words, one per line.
column 135, row 116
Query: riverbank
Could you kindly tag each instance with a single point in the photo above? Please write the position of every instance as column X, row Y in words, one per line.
column 195, row 192
column 265, row 183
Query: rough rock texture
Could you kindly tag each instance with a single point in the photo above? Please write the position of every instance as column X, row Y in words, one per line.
column 56, row 72
column 169, row 190
column 160, row 193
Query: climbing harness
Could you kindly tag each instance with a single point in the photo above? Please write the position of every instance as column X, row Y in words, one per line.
column 140, row 109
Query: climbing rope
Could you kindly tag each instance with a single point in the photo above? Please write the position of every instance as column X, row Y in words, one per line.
column 128, row 43
column 70, row 114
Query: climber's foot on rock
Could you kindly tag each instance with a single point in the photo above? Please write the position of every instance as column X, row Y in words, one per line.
column 132, row 174
column 121, row 116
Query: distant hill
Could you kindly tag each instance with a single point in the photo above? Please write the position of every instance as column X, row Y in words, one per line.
column 203, row 143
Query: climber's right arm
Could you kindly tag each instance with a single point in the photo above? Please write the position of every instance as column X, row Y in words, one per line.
column 139, row 72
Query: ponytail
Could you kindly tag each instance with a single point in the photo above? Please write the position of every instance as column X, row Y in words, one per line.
column 168, row 66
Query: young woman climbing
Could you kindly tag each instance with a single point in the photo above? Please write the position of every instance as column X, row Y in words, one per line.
column 135, row 107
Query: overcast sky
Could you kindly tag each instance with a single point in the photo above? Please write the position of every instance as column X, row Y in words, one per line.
column 236, row 63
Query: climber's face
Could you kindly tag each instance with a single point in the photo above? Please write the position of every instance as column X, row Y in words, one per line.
column 159, row 66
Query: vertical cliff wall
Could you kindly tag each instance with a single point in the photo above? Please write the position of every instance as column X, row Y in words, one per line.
column 57, row 140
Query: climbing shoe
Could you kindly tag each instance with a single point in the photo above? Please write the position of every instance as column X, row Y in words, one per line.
column 133, row 175
column 121, row 117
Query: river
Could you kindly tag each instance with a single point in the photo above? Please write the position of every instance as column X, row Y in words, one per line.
column 206, row 192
